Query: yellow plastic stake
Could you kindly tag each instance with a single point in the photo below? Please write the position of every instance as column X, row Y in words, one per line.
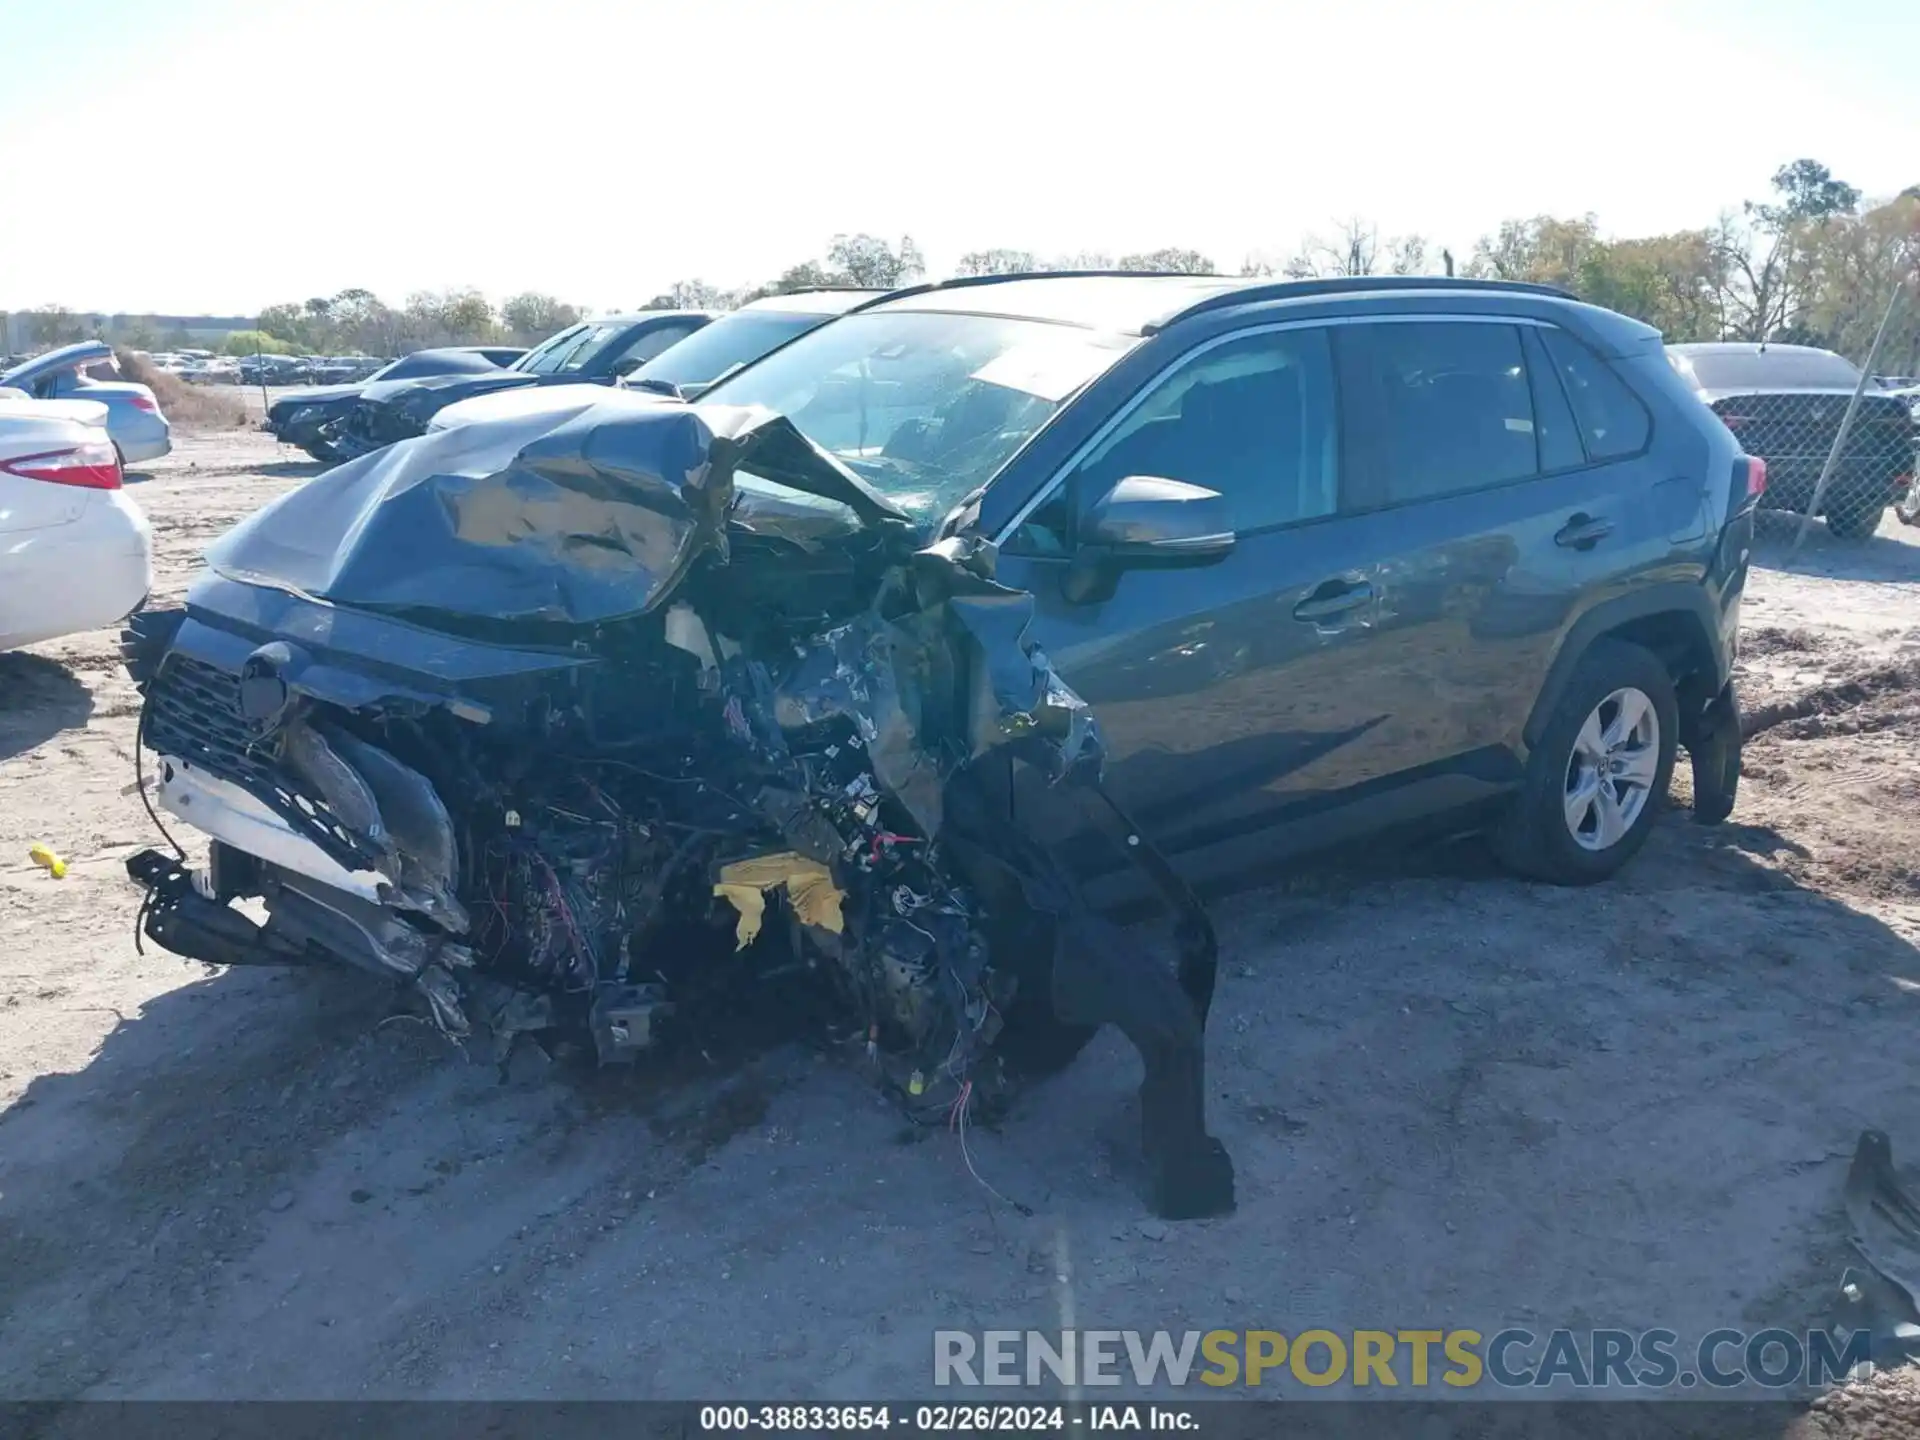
column 43, row 856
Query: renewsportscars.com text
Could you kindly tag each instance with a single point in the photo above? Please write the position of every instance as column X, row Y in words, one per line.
column 1414, row 1358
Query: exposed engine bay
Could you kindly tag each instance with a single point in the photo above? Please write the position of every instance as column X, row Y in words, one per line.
column 568, row 729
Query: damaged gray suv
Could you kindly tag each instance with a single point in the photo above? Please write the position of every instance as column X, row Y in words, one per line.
column 894, row 660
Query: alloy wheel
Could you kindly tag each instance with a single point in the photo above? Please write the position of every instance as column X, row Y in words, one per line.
column 1611, row 770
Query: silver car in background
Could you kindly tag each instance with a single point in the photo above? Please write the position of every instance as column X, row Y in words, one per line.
column 134, row 422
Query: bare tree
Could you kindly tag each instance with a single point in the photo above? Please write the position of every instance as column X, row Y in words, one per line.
column 691, row 295
column 1356, row 248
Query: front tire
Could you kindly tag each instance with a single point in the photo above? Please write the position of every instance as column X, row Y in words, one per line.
column 1599, row 773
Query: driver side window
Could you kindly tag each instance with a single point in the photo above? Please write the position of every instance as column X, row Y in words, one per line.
column 1252, row 418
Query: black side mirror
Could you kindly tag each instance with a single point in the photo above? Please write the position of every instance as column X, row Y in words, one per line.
column 625, row 367
column 1146, row 521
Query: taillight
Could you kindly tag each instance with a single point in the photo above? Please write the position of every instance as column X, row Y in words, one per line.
column 146, row 403
column 1756, row 476
column 90, row 467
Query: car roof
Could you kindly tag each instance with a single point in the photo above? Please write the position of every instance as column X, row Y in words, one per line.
column 835, row 301
column 1129, row 304
column 1136, row 303
column 1744, row 347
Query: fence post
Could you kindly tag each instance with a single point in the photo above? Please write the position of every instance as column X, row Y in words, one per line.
column 1846, row 420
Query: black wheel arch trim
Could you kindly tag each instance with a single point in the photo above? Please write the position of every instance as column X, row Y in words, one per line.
column 1692, row 601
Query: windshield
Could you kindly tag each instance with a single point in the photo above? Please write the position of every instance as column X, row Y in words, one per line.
column 724, row 346
column 924, row 407
column 566, row 351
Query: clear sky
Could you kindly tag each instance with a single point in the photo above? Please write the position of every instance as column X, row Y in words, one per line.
column 221, row 155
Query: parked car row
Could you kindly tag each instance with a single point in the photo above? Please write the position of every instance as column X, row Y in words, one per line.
column 266, row 369
column 308, row 417
column 654, row 355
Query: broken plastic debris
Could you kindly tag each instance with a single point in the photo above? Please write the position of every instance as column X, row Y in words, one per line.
column 43, row 856
column 809, row 885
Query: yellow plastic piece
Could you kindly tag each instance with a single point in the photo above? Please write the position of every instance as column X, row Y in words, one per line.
column 43, row 856
column 809, row 884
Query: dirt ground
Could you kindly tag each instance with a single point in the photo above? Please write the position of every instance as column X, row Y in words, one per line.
column 1453, row 1099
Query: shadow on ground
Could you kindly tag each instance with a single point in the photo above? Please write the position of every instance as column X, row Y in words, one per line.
column 290, row 469
column 39, row 698
column 1890, row 557
column 262, row 1184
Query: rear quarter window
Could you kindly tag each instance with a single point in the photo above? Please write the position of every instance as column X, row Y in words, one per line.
column 1613, row 423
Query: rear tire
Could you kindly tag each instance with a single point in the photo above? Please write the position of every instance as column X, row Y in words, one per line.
column 1854, row 520
column 1599, row 774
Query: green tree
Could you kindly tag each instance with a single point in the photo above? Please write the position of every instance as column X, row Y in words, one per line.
column 255, row 342
column 1854, row 265
column 1677, row 283
column 286, row 323
column 532, row 316
column 448, row 317
column 807, row 275
column 1769, row 250
column 1542, row 251
column 868, row 260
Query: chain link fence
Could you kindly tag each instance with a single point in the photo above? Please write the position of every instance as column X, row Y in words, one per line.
column 1835, row 417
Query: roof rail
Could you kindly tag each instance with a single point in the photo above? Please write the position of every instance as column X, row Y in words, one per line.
column 1348, row 284
column 964, row 282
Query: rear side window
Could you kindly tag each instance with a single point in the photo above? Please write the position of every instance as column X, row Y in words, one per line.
column 1613, row 422
column 1437, row 408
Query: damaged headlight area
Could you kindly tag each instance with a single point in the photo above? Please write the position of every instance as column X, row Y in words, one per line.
column 580, row 727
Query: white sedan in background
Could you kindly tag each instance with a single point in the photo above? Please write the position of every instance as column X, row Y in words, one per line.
column 75, row 551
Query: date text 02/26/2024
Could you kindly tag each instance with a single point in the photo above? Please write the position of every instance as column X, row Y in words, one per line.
column 945, row 1419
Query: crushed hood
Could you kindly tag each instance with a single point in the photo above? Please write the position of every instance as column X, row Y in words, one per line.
column 572, row 519
column 313, row 395
column 445, row 388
